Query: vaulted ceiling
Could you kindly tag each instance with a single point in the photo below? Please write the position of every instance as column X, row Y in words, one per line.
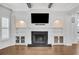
column 55, row 6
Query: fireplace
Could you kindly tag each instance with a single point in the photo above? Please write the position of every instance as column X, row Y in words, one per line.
column 39, row 38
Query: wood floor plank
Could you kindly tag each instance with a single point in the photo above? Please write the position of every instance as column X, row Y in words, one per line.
column 54, row 50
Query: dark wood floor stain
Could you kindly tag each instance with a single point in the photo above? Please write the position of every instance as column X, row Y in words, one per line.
column 54, row 50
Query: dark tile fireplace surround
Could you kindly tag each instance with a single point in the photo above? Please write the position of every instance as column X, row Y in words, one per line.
column 39, row 39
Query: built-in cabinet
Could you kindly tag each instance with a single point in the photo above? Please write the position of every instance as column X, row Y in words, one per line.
column 58, row 35
column 20, row 39
column 58, row 39
column 20, row 35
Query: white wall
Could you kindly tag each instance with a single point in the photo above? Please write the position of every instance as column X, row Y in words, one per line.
column 67, row 31
column 5, row 12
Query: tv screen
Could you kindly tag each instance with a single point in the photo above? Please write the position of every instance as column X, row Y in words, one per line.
column 39, row 17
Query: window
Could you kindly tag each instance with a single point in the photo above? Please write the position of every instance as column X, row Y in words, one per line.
column 77, row 22
column 77, row 29
column 5, row 28
column 5, row 22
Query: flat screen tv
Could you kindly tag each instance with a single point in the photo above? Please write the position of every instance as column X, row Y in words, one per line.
column 40, row 18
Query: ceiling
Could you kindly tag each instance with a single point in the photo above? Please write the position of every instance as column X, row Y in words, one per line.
column 55, row 6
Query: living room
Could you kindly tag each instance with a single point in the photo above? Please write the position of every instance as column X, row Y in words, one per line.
column 39, row 24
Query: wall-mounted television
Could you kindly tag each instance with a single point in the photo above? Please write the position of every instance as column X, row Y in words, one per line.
column 39, row 17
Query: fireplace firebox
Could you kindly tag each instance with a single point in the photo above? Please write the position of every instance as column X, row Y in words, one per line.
column 40, row 38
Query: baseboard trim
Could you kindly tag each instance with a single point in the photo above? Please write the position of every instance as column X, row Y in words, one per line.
column 58, row 44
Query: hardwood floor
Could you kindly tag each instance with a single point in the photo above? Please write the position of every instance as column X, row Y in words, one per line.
column 55, row 50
